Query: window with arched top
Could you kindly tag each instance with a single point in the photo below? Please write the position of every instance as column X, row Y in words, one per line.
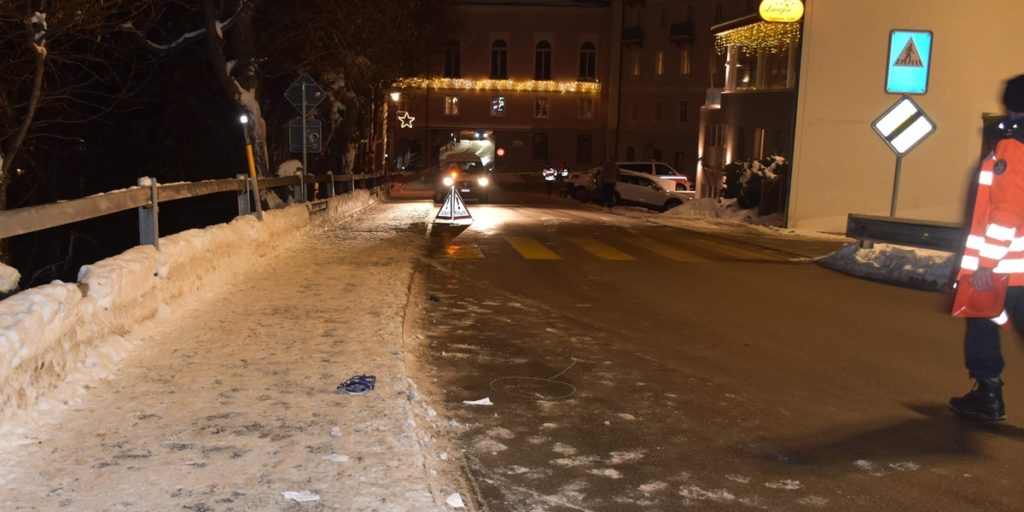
column 540, row 146
column 499, row 59
column 542, row 61
column 452, row 59
column 588, row 61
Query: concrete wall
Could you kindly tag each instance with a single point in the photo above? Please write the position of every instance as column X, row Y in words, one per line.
column 840, row 164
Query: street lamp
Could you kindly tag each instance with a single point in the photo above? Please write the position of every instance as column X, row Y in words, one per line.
column 395, row 96
column 254, row 186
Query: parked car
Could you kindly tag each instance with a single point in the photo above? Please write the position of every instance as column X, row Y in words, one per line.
column 467, row 175
column 636, row 188
column 579, row 183
column 670, row 178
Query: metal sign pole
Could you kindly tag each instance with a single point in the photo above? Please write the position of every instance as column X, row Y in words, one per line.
column 305, row 168
column 896, row 186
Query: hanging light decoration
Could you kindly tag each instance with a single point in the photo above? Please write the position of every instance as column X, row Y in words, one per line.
column 760, row 37
column 490, row 84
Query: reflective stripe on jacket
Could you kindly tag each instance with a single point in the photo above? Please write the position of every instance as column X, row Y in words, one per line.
column 996, row 239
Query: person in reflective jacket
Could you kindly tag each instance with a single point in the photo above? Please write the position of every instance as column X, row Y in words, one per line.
column 995, row 246
column 550, row 174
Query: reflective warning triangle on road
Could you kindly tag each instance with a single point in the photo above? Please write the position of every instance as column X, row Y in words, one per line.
column 909, row 56
column 453, row 209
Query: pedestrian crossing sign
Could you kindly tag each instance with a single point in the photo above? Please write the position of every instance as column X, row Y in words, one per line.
column 453, row 209
column 910, row 54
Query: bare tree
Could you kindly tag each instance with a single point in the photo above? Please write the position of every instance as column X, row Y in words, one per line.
column 62, row 64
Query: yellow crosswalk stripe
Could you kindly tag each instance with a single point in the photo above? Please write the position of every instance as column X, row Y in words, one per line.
column 599, row 249
column 467, row 251
column 531, row 249
column 665, row 250
column 729, row 250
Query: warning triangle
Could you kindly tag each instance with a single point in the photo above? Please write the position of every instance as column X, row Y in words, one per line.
column 909, row 56
column 453, row 209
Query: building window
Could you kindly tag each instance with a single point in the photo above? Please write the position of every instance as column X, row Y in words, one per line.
column 541, row 107
column 588, row 62
column 586, row 108
column 542, row 61
column 659, row 63
column 636, row 63
column 540, row 146
column 451, row 105
column 634, row 110
column 684, row 108
column 679, row 160
column 685, row 66
column 452, row 59
column 630, row 153
column 689, row 14
column 657, row 110
column 584, row 147
column 497, row 105
column 499, row 59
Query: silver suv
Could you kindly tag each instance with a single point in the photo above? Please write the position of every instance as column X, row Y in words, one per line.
column 670, row 178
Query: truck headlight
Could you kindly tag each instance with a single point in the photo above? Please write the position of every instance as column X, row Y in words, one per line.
column 483, row 181
column 448, row 181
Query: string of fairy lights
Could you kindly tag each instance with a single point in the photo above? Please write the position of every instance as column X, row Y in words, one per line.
column 492, row 84
column 760, row 37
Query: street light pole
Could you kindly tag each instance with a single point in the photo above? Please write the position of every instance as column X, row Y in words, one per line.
column 253, row 183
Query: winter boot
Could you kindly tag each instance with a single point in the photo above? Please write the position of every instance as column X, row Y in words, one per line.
column 984, row 401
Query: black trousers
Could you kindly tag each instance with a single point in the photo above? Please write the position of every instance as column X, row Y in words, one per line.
column 982, row 352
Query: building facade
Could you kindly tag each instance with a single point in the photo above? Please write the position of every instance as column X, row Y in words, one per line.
column 665, row 72
column 840, row 165
column 520, row 84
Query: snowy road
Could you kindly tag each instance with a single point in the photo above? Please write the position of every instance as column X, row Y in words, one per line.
column 231, row 401
column 634, row 366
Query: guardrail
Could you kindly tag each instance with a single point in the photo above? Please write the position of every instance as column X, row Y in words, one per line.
column 149, row 194
column 867, row 229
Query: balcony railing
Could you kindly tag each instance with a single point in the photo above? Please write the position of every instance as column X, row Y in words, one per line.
column 633, row 35
column 682, row 32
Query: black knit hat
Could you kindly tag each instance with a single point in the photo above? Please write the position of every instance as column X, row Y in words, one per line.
column 1013, row 96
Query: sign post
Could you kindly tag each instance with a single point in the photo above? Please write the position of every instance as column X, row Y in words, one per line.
column 903, row 126
column 305, row 95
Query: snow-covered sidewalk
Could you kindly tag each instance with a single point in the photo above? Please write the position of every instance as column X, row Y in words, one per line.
column 229, row 402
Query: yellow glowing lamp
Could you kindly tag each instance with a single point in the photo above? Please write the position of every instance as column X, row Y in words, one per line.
column 781, row 10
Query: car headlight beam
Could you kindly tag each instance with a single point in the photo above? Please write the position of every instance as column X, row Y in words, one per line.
column 483, row 181
column 448, row 181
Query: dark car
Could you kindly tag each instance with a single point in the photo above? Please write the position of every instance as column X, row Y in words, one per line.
column 470, row 178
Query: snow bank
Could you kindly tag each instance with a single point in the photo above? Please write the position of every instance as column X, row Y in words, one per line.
column 9, row 278
column 50, row 332
column 905, row 266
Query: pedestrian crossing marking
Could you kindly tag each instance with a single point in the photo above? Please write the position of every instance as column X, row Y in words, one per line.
column 531, row 249
column 468, row 251
column 599, row 249
column 728, row 250
column 665, row 250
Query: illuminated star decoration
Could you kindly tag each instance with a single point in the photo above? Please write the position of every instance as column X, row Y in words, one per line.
column 406, row 120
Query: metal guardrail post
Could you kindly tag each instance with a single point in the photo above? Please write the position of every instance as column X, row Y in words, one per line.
column 300, row 189
column 331, row 190
column 243, row 197
column 149, row 215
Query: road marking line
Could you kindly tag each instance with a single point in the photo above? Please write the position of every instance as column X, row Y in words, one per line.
column 467, row 251
column 729, row 250
column 531, row 249
column 599, row 249
column 665, row 250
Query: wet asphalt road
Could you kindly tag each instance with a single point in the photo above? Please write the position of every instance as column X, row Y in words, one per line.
column 665, row 369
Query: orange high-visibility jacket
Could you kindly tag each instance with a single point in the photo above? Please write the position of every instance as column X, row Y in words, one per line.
column 996, row 240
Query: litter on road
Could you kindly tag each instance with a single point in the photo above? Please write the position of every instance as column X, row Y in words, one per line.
column 455, row 501
column 483, row 401
column 358, row 385
column 301, row 496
